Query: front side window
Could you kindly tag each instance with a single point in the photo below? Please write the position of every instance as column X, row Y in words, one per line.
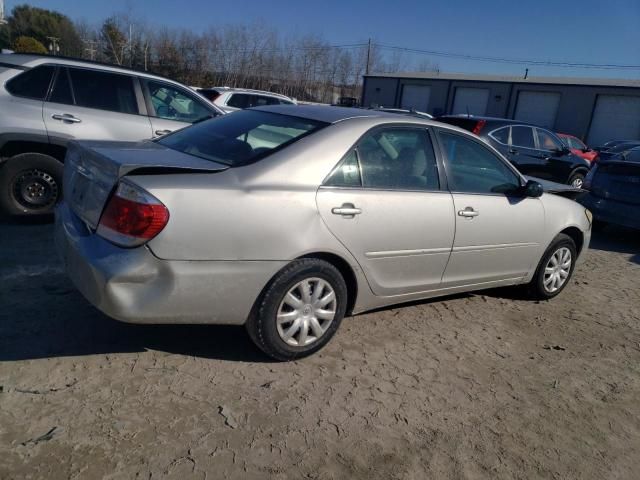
column 103, row 90
column 546, row 141
column 522, row 137
column 172, row 103
column 33, row 83
column 473, row 168
column 241, row 138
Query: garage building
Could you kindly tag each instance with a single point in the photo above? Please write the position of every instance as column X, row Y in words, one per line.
column 595, row 110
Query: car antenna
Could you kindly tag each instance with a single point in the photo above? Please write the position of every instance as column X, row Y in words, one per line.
column 468, row 114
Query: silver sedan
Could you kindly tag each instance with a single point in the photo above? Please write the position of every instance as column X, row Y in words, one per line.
column 287, row 218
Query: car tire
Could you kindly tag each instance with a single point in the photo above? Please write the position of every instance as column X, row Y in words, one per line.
column 30, row 184
column 577, row 179
column 287, row 323
column 553, row 266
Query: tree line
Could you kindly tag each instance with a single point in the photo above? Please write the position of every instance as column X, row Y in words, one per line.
column 256, row 55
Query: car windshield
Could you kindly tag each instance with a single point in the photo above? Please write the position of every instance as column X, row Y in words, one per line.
column 242, row 137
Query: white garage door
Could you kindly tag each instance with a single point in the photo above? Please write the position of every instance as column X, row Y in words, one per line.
column 416, row 97
column 471, row 100
column 616, row 117
column 538, row 108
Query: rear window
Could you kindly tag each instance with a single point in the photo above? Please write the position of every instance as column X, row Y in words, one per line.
column 241, row 138
column 33, row 83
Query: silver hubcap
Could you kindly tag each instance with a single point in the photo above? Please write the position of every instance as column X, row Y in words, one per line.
column 557, row 270
column 306, row 312
column 577, row 182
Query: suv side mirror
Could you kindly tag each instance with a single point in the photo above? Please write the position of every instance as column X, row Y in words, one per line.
column 532, row 189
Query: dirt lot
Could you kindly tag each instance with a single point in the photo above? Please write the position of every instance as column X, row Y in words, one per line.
column 472, row 386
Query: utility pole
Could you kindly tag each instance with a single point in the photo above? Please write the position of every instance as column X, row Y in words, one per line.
column 90, row 48
column 3, row 21
column 54, row 46
column 368, row 57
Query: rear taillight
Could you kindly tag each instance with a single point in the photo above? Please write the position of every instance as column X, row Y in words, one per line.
column 479, row 126
column 132, row 216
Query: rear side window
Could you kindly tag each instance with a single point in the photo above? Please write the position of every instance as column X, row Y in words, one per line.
column 33, row 83
column 238, row 100
column 501, row 135
column 522, row 137
column 61, row 92
column 103, row 90
column 241, row 138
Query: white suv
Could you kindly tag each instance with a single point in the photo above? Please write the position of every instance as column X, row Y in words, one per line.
column 232, row 99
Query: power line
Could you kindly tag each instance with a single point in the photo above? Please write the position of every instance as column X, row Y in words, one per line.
column 518, row 61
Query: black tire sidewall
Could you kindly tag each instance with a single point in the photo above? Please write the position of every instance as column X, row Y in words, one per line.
column 24, row 162
column 560, row 241
column 262, row 326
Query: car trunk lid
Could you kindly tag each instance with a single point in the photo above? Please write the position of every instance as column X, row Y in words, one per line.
column 617, row 180
column 92, row 170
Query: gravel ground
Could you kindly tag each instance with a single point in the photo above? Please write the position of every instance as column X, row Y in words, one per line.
column 485, row 385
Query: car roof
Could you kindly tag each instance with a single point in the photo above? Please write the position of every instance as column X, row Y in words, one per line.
column 29, row 60
column 246, row 90
column 324, row 113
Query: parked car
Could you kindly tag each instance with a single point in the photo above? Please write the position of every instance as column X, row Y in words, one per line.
column 346, row 210
column 616, row 147
column 232, row 99
column 535, row 151
column 614, row 190
column 47, row 101
column 404, row 111
column 347, row 102
column 578, row 147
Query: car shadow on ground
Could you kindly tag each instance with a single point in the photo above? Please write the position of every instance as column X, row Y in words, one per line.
column 617, row 239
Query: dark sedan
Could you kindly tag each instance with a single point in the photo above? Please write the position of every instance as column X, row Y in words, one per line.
column 614, row 190
column 535, row 151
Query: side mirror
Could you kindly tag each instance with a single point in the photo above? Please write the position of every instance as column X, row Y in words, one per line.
column 532, row 189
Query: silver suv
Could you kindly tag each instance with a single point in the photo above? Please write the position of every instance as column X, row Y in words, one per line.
column 232, row 99
column 47, row 101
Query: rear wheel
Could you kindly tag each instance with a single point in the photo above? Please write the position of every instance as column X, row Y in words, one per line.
column 30, row 184
column 300, row 310
column 555, row 268
column 577, row 179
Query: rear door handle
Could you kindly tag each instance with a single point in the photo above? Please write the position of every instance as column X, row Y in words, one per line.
column 65, row 117
column 347, row 210
column 468, row 212
column 163, row 132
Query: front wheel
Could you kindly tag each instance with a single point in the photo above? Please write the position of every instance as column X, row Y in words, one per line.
column 555, row 268
column 30, row 184
column 300, row 310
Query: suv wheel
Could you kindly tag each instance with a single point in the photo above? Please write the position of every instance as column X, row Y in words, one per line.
column 300, row 310
column 555, row 268
column 30, row 184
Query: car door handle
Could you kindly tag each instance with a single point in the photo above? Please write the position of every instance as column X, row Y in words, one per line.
column 65, row 117
column 468, row 212
column 163, row 132
column 346, row 210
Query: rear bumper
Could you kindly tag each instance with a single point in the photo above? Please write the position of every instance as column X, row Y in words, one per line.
column 132, row 285
column 612, row 211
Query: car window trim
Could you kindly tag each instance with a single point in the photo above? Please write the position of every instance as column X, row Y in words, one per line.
column 495, row 152
column 426, row 128
column 508, row 127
